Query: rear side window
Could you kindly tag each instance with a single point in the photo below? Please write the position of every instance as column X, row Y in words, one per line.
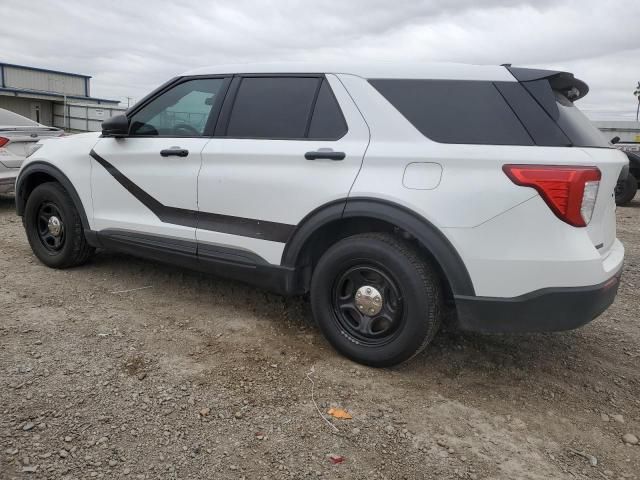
column 285, row 108
column 276, row 107
column 455, row 111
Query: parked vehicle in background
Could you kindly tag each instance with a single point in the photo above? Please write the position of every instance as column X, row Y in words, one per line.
column 17, row 136
column 627, row 186
column 388, row 193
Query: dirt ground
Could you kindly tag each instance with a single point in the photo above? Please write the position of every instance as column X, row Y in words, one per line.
column 196, row 377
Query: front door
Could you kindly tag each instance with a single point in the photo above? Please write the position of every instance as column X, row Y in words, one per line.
column 288, row 145
column 146, row 183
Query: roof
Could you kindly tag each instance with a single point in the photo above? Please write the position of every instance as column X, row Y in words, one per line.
column 46, row 70
column 452, row 71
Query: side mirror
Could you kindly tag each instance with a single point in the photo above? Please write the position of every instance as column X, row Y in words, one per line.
column 615, row 140
column 117, row 126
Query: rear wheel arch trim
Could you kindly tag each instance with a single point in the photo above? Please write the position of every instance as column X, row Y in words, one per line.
column 58, row 176
column 427, row 235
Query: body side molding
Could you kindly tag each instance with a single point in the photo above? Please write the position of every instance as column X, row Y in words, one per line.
column 212, row 259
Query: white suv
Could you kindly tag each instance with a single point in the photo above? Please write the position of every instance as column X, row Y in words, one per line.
column 387, row 193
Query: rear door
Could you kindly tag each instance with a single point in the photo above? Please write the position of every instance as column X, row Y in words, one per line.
column 284, row 146
column 146, row 183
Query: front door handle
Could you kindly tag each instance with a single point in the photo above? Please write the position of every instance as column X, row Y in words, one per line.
column 328, row 154
column 174, row 152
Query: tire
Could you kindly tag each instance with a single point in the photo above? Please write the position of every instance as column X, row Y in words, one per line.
column 409, row 308
column 69, row 247
column 626, row 189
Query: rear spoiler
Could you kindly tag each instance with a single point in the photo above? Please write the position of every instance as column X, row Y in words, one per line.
column 564, row 82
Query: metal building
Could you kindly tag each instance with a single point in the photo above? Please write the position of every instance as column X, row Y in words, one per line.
column 54, row 98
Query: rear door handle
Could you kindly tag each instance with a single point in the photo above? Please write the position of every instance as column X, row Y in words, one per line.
column 174, row 152
column 327, row 154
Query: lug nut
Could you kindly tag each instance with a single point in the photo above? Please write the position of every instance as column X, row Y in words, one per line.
column 368, row 290
column 376, row 300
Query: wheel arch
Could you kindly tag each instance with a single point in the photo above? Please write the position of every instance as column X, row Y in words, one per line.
column 339, row 219
column 37, row 173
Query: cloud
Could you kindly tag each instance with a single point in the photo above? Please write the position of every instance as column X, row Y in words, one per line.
column 131, row 47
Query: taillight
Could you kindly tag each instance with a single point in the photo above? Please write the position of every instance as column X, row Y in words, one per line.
column 3, row 141
column 569, row 191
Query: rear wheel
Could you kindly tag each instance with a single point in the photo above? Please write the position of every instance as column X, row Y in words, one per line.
column 375, row 299
column 626, row 189
column 54, row 228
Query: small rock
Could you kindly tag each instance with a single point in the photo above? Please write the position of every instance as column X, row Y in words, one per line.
column 205, row 411
column 112, row 463
column 618, row 418
column 238, row 415
column 126, row 471
column 67, row 439
column 604, row 417
column 142, row 376
column 28, row 426
column 30, row 469
column 355, row 431
column 389, row 429
column 630, row 438
column 63, row 453
column 232, row 467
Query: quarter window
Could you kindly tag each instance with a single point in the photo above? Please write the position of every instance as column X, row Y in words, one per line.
column 327, row 121
column 182, row 111
column 455, row 111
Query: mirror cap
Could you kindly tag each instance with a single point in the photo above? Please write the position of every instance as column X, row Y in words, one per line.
column 117, row 126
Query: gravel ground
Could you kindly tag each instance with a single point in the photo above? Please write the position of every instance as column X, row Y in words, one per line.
column 196, row 377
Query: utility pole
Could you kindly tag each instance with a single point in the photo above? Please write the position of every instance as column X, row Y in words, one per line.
column 131, row 98
column 637, row 94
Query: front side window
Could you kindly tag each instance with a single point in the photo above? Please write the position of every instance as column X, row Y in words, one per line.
column 182, row 111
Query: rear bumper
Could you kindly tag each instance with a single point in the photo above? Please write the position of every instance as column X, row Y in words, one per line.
column 546, row 310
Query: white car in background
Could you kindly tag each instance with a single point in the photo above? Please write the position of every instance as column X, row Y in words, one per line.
column 17, row 136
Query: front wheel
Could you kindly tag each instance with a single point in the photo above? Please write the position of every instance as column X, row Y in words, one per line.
column 54, row 228
column 375, row 299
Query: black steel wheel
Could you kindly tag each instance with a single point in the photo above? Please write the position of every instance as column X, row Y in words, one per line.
column 50, row 226
column 368, row 304
column 376, row 299
column 54, row 227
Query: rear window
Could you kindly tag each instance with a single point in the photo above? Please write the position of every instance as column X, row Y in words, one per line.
column 491, row 113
